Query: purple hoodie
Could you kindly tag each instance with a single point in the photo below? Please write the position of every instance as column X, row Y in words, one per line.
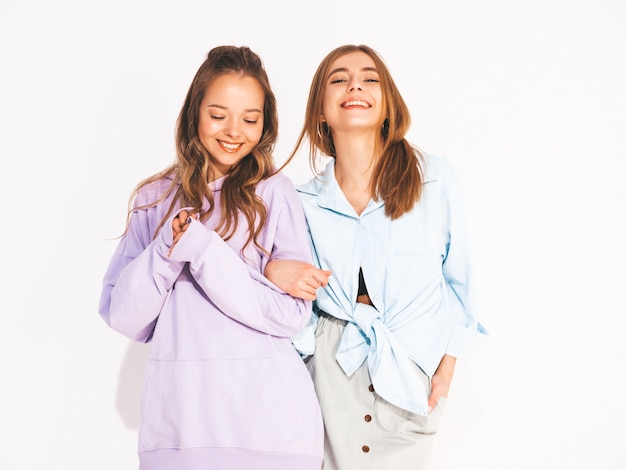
column 224, row 388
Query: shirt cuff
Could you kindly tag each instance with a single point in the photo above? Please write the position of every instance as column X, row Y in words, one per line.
column 465, row 341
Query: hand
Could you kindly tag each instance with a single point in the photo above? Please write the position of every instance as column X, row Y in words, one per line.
column 440, row 383
column 297, row 278
column 180, row 224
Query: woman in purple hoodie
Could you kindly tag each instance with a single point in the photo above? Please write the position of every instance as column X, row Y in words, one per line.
column 224, row 388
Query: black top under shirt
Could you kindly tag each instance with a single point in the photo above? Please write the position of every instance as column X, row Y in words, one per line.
column 362, row 287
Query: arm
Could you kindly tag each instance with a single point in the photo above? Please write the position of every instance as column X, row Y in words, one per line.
column 138, row 279
column 241, row 291
column 467, row 333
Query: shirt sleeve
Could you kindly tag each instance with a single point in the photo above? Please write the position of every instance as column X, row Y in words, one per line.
column 139, row 278
column 467, row 333
column 239, row 290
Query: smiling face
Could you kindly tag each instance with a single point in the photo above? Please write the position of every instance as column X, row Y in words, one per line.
column 353, row 96
column 231, row 120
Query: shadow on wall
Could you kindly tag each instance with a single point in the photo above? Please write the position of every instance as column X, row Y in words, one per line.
column 130, row 380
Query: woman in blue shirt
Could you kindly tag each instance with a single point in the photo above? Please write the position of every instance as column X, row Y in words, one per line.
column 394, row 310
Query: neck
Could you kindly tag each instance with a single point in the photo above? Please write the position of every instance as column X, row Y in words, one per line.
column 354, row 166
column 354, row 155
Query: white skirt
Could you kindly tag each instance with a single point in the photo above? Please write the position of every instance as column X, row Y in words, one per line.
column 362, row 430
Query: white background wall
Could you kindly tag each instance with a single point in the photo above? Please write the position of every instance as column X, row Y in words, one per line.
column 526, row 98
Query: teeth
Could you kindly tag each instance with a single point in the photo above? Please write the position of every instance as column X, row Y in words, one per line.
column 229, row 146
column 356, row 103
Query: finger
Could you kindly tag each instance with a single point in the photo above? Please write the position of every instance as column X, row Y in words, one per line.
column 315, row 284
column 307, row 286
column 433, row 400
column 305, row 295
column 179, row 222
column 181, row 219
column 322, row 277
column 321, row 282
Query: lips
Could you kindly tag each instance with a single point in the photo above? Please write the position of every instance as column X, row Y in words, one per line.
column 229, row 147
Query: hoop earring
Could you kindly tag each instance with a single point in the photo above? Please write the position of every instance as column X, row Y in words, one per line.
column 322, row 130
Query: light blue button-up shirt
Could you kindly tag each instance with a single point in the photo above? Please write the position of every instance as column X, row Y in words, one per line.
column 417, row 273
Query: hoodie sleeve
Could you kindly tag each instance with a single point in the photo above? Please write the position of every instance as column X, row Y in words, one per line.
column 139, row 277
column 238, row 289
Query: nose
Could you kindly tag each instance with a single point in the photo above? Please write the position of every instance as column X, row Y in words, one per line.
column 231, row 128
column 354, row 85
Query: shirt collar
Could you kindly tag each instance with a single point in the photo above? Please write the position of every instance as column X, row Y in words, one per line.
column 329, row 195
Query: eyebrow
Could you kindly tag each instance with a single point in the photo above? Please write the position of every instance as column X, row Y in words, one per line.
column 344, row 69
column 249, row 110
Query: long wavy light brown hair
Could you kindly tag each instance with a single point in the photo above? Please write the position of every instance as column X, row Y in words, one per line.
column 398, row 172
column 192, row 170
